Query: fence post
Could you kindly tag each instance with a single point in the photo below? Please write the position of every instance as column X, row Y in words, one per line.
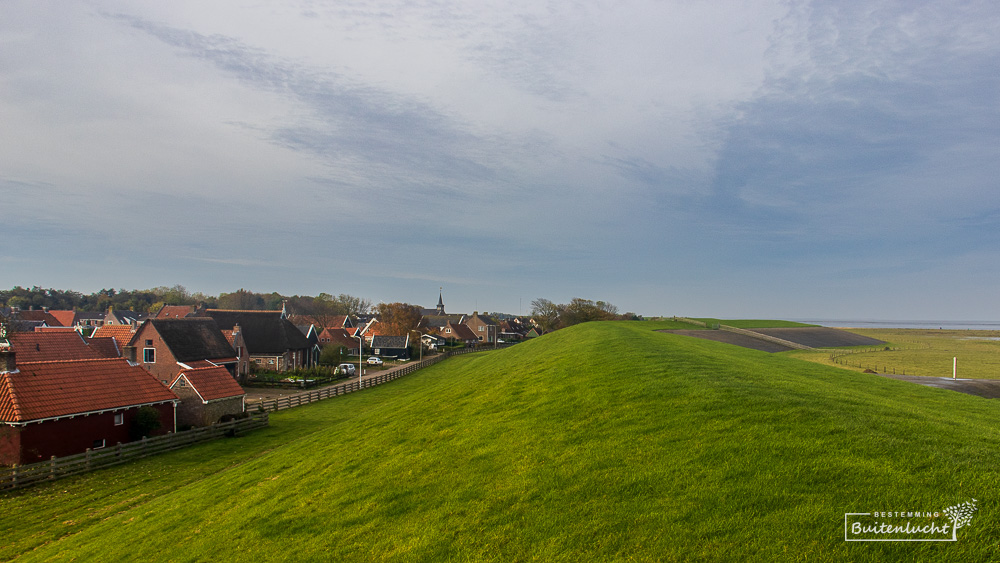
column 88, row 459
column 52, row 467
column 13, row 475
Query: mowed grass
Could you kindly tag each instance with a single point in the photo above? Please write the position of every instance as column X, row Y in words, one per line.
column 923, row 352
column 604, row 441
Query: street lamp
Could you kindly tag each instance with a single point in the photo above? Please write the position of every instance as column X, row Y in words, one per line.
column 420, row 343
column 361, row 356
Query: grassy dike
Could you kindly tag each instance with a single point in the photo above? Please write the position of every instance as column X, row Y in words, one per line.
column 604, row 441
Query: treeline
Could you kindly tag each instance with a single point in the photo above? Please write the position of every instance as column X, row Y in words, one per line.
column 552, row 316
column 151, row 300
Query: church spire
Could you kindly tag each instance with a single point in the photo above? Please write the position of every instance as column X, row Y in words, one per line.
column 440, row 307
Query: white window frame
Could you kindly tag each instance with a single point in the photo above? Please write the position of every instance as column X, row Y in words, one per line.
column 119, row 418
column 149, row 353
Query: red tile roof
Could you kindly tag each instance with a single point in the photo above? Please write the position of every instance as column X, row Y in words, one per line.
column 338, row 337
column 174, row 311
column 39, row 390
column 41, row 316
column 121, row 333
column 65, row 318
column 47, row 346
column 211, row 383
column 106, row 347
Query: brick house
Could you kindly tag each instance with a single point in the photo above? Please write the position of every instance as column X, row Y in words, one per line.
column 459, row 333
column 239, row 344
column 165, row 347
column 207, row 396
column 64, row 407
column 484, row 327
column 340, row 337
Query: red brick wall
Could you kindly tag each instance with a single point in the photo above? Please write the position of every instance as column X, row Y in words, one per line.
column 10, row 445
column 165, row 367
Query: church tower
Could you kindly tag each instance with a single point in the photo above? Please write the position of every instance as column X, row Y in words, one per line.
column 440, row 307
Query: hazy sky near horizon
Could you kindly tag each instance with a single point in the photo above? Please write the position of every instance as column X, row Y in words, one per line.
column 786, row 159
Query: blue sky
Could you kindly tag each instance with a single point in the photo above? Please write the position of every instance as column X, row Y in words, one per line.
column 734, row 159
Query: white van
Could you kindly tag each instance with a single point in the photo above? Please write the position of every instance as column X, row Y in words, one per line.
column 347, row 369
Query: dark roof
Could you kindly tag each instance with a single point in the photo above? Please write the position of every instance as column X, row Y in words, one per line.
column 380, row 341
column 439, row 321
column 265, row 332
column 191, row 338
column 126, row 317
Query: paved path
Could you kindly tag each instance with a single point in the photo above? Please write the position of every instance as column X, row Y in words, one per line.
column 257, row 394
column 988, row 388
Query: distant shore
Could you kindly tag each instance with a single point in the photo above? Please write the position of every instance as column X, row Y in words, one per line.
column 944, row 325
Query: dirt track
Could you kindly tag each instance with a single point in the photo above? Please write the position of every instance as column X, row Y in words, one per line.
column 734, row 339
column 814, row 337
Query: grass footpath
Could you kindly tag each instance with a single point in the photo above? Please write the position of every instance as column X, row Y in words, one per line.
column 922, row 352
column 604, row 441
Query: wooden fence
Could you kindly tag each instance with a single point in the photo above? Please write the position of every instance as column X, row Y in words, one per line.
column 59, row 467
column 300, row 399
column 56, row 468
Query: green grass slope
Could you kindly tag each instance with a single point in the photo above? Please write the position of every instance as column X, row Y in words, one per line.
column 604, row 441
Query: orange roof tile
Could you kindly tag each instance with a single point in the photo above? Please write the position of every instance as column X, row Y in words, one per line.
column 174, row 311
column 46, row 346
column 65, row 318
column 40, row 390
column 211, row 383
column 121, row 333
column 106, row 347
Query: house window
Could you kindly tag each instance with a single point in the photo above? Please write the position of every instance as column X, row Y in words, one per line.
column 271, row 361
column 119, row 418
column 149, row 342
column 149, row 355
column 447, row 331
column 98, row 444
column 482, row 328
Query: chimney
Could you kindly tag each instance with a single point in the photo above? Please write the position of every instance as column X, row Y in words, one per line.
column 7, row 362
column 129, row 353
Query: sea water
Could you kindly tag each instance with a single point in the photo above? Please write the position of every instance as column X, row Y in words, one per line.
column 943, row 325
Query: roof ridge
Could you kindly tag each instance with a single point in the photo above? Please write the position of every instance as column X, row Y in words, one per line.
column 78, row 360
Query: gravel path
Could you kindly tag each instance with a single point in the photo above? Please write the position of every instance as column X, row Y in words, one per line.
column 988, row 388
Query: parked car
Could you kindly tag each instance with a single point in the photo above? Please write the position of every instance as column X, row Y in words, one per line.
column 347, row 369
column 375, row 361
